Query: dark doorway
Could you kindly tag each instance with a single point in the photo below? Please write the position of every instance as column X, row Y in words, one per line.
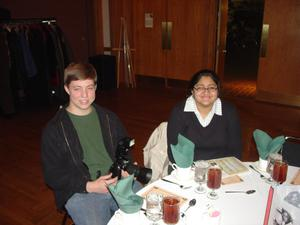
column 243, row 39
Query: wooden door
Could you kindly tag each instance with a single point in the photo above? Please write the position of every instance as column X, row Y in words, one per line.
column 192, row 37
column 279, row 71
column 149, row 55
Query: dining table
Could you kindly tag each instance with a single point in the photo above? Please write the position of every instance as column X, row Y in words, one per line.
column 233, row 208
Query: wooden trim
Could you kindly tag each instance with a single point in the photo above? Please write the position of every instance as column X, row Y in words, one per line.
column 222, row 36
column 291, row 100
column 98, row 25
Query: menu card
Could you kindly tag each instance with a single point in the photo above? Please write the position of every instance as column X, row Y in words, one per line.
column 230, row 165
column 283, row 206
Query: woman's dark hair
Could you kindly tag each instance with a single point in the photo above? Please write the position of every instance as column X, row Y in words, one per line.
column 197, row 76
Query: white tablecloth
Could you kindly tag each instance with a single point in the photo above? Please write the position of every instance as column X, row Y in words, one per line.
column 235, row 208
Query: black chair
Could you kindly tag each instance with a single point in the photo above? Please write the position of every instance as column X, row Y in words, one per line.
column 105, row 66
column 65, row 219
column 291, row 150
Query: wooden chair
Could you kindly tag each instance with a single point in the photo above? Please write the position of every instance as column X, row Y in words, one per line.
column 66, row 218
column 155, row 152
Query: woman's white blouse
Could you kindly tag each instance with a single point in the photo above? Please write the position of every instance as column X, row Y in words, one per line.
column 190, row 106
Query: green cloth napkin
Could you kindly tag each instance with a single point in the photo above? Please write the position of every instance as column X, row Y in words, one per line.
column 183, row 152
column 265, row 144
column 127, row 200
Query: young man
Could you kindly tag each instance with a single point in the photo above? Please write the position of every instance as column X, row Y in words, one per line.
column 78, row 148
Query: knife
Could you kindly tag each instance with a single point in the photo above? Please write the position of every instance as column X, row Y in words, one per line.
column 180, row 185
column 261, row 175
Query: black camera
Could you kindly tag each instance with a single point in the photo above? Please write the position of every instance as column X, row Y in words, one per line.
column 123, row 162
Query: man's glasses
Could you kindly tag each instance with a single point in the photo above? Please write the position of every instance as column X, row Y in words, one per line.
column 202, row 89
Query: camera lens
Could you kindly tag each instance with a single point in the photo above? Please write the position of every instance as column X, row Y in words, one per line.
column 142, row 174
column 123, row 162
column 145, row 175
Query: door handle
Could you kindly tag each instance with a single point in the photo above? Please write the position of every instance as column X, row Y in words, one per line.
column 166, row 27
column 264, row 40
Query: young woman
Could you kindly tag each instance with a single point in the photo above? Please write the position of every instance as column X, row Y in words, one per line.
column 210, row 123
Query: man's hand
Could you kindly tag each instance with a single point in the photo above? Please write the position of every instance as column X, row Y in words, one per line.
column 125, row 173
column 100, row 185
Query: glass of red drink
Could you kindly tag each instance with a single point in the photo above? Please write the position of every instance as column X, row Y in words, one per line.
column 271, row 159
column 279, row 173
column 171, row 210
column 214, row 177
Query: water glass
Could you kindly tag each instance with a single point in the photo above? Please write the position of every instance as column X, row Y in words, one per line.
column 201, row 167
column 154, row 207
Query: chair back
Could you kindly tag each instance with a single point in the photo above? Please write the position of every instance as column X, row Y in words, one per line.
column 155, row 152
column 291, row 150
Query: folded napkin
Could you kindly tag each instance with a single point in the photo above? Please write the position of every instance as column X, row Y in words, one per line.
column 127, row 200
column 183, row 152
column 265, row 144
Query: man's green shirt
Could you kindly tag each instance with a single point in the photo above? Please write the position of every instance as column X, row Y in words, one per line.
column 89, row 132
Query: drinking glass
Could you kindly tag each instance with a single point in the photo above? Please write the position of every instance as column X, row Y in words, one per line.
column 214, row 177
column 154, row 207
column 201, row 167
column 171, row 210
column 271, row 159
column 279, row 171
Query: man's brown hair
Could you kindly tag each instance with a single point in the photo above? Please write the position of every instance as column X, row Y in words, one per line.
column 79, row 71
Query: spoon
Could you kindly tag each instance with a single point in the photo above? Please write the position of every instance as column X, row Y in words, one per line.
column 247, row 192
column 180, row 185
column 191, row 203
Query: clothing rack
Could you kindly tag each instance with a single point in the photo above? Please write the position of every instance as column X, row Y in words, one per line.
column 28, row 21
column 35, row 53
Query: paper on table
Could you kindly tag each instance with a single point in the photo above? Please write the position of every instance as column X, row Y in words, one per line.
column 283, row 205
column 164, row 193
column 232, row 180
column 230, row 165
column 296, row 179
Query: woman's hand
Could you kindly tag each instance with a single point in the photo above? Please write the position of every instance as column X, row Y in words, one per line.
column 100, row 185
